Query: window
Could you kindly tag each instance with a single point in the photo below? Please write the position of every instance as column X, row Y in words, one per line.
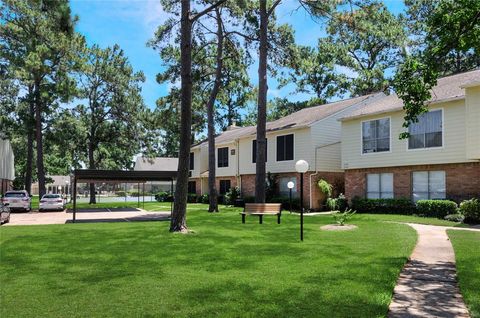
column 376, row 135
column 283, row 188
column 192, row 161
column 285, row 147
column 428, row 185
column 192, row 187
column 222, row 157
column 427, row 132
column 379, row 185
column 224, row 186
column 254, row 150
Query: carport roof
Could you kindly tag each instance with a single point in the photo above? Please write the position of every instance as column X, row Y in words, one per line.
column 91, row 175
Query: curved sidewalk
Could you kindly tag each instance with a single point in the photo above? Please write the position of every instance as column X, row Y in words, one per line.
column 427, row 286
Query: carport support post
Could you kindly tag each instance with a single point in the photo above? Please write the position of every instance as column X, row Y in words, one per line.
column 143, row 193
column 74, row 198
column 173, row 198
column 138, row 197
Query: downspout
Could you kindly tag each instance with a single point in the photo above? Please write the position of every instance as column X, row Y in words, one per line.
column 316, row 171
column 239, row 178
column 313, row 174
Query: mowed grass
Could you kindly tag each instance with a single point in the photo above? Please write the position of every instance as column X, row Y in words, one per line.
column 224, row 269
column 467, row 254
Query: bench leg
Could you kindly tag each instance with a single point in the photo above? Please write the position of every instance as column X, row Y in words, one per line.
column 243, row 218
column 260, row 220
column 278, row 219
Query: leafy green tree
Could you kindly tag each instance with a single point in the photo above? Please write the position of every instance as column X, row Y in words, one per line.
column 450, row 27
column 419, row 17
column 367, row 41
column 36, row 43
column 112, row 110
column 218, row 74
column 183, row 35
column 313, row 71
column 274, row 43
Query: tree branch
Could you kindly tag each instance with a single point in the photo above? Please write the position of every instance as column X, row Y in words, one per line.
column 272, row 8
column 206, row 10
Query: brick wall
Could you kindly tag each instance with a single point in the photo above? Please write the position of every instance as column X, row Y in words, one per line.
column 462, row 180
column 198, row 185
column 336, row 178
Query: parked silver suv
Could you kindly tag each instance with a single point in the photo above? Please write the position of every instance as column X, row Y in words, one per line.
column 18, row 200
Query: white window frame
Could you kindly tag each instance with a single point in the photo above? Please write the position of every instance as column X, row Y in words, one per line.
column 389, row 137
column 380, row 185
column 428, row 184
column 443, row 134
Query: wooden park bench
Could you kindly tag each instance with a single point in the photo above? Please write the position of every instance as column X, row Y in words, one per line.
column 262, row 209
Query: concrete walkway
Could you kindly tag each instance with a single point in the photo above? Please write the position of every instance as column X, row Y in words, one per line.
column 427, row 286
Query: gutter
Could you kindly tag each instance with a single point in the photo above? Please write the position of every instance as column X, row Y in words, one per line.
column 397, row 109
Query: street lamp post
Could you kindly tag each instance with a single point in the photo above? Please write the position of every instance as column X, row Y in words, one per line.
column 301, row 167
column 290, row 186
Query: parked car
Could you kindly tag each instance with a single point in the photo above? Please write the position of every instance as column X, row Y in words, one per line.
column 52, row 202
column 4, row 213
column 18, row 200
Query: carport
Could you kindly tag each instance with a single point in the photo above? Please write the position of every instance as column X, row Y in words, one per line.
column 119, row 176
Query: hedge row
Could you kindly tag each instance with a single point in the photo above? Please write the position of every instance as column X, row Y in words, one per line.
column 383, row 206
column 468, row 209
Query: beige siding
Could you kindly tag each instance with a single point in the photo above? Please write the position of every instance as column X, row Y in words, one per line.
column 196, row 163
column 473, row 122
column 231, row 170
column 302, row 150
column 326, row 136
column 329, row 158
column 453, row 150
column 7, row 170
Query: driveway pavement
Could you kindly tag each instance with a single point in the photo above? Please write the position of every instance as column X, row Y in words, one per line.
column 86, row 216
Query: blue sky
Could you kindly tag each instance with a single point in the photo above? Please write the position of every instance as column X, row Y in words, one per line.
column 131, row 23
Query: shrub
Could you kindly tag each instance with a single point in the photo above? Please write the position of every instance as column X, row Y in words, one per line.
column 339, row 203
column 332, row 204
column 342, row 202
column 436, row 208
column 249, row 199
column 164, row 197
column 342, row 217
column 455, row 217
column 120, row 193
column 191, row 198
column 325, row 187
column 383, row 206
column 285, row 201
column 203, row 198
column 470, row 209
column 134, row 193
column 232, row 195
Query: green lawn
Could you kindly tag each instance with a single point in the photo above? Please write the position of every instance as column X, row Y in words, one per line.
column 408, row 219
column 467, row 254
column 225, row 268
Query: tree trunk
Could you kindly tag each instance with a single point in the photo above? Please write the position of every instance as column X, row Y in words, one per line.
column 91, row 164
column 262, row 106
column 212, row 189
column 30, row 136
column 178, row 221
column 39, row 140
